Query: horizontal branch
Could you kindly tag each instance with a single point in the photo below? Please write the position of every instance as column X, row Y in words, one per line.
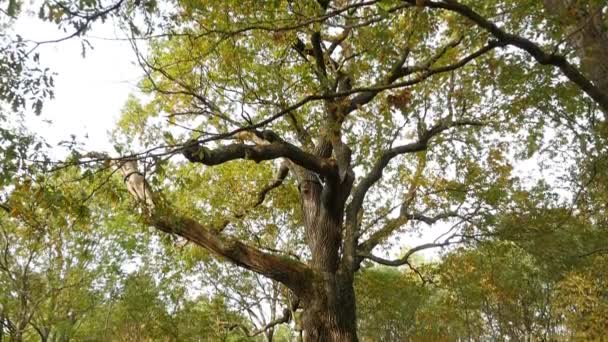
column 405, row 258
column 570, row 71
column 197, row 153
column 378, row 236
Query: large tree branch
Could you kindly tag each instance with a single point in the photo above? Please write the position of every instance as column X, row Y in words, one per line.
column 587, row 33
column 290, row 272
column 276, row 148
column 570, row 71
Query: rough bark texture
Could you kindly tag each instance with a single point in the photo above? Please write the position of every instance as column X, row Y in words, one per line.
column 326, row 292
column 329, row 314
column 329, row 304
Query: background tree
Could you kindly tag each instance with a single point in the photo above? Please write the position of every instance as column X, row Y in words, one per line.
column 389, row 315
column 54, row 259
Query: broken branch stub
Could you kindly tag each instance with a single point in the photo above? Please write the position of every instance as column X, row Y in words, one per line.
column 136, row 182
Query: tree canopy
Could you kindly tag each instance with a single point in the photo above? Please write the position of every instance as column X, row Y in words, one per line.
column 281, row 152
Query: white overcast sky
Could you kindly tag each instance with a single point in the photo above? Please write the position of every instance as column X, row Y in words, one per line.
column 90, row 91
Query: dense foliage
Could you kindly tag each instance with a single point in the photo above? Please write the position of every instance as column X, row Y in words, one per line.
column 279, row 154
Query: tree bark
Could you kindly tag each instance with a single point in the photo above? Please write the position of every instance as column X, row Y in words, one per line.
column 329, row 314
column 325, row 289
column 329, row 304
column 17, row 336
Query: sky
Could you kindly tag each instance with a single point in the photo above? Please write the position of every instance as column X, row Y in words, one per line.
column 89, row 92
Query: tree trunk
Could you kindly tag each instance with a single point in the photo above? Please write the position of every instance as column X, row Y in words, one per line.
column 324, row 287
column 329, row 315
column 16, row 336
column 329, row 306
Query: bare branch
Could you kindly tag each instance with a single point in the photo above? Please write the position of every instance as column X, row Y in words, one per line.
column 404, row 260
column 285, row 318
column 281, row 175
column 81, row 27
column 359, row 192
column 376, row 173
column 379, row 236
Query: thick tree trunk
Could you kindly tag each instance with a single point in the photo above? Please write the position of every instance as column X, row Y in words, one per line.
column 329, row 304
column 324, row 287
column 329, row 315
column 16, row 336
